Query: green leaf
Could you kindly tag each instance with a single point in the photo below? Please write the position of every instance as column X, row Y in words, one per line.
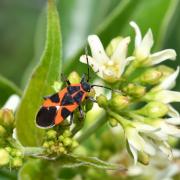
column 7, row 88
column 46, row 72
column 36, row 170
column 72, row 161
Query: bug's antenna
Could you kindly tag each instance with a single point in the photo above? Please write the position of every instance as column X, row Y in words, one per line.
column 95, row 85
column 86, row 53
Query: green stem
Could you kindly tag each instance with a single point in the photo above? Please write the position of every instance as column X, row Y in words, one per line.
column 124, row 122
column 90, row 130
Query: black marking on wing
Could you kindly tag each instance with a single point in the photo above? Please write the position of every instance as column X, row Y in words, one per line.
column 65, row 112
column 46, row 116
column 67, row 100
column 55, row 98
column 78, row 97
column 73, row 89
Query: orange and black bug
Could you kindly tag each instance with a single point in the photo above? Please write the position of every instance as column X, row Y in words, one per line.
column 59, row 106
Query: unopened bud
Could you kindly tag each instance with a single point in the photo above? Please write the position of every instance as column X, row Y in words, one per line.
column 113, row 45
column 165, row 70
column 67, row 141
column 17, row 162
column 67, row 133
column 7, row 118
column 74, row 77
column 61, row 138
column 2, row 131
column 118, row 102
column 51, row 134
column 74, row 144
column 143, row 158
column 151, row 76
column 113, row 122
column 61, row 149
column 57, row 86
column 135, row 90
column 102, row 101
column 154, row 110
column 45, row 144
column 4, row 157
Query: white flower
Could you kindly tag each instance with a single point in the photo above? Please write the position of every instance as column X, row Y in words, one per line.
column 143, row 47
column 145, row 138
column 162, row 92
column 107, row 68
column 12, row 102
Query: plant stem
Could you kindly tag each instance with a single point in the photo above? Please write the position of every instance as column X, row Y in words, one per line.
column 90, row 130
column 124, row 122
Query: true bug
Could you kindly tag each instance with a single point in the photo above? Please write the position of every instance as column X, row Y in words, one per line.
column 60, row 105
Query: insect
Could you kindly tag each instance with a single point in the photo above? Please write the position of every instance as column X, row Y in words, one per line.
column 62, row 104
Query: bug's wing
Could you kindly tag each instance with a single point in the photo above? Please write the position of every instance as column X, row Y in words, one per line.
column 46, row 117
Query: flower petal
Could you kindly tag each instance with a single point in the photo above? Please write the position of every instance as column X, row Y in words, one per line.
column 170, row 129
column 12, row 102
column 144, row 128
column 134, row 153
column 138, row 37
column 149, row 147
column 167, row 96
column 119, row 55
column 145, row 47
column 170, row 81
column 165, row 148
column 134, row 139
column 97, row 49
column 161, row 56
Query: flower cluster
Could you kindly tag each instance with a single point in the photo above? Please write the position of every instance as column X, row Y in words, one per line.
column 59, row 144
column 143, row 104
column 10, row 154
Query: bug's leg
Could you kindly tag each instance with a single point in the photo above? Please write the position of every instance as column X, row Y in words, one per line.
column 71, row 118
column 91, row 99
column 64, row 79
column 81, row 112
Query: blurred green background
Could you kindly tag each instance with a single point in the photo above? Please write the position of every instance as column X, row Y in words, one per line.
column 22, row 28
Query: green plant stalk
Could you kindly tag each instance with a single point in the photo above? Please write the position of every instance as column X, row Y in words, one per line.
column 90, row 130
column 124, row 122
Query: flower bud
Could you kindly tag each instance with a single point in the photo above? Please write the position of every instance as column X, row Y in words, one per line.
column 89, row 105
column 4, row 157
column 57, row 86
column 7, row 118
column 143, row 158
column 67, row 141
column 45, row 144
column 113, row 45
column 154, row 110
column 118, row 102
column 17, row 162
column 150, row 76
column 74, row 77
column 51, row 134
column 113, row 122
column 102, row 101
column 2, row 131
column 165, row 70
column 135, row 90
column 61, row 149
column 61, row 138
column 74, row 144
column 67, row 133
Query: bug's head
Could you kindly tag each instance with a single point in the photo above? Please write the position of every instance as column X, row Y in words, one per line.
column 85, row 85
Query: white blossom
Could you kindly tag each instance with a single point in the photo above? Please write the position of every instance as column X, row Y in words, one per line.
column 143, row 47
column 107, row 68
